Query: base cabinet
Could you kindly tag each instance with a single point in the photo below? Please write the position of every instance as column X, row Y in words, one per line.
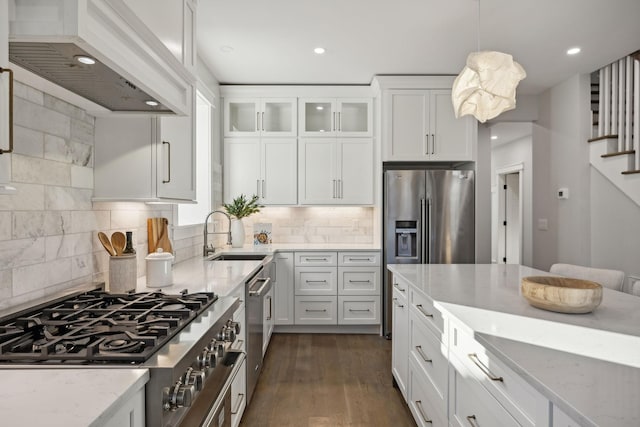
column 400, row 336
column 130, row 414
column 424, row 404
column 239, row 395
column 283, row 288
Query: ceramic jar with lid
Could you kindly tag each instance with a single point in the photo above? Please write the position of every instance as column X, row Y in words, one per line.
column 159, row 269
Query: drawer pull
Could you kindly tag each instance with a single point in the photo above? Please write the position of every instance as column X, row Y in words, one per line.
column 359, row 310
column 422, row 413
column 316, row 281
column 399, row 288
column 484, row 369
column 395, row 301
column 359, row 281
column 421, row 353
column 308, row 310
column 472, row 420
column 316, row 259
column 422, row 310
column 360, row 259
column 240, row 399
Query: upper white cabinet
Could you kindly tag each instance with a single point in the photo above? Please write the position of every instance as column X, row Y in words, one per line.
column 260, row 117
column 145, row 158
column 335, row 116
column 422, row 126
column 336, row 171
column 266, row 167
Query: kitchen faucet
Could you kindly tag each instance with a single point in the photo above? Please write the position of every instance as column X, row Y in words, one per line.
column 208, row 249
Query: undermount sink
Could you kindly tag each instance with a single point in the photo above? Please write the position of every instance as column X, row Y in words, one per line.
column 239, row 257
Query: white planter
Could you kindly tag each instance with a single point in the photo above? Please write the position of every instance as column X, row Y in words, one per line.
column 237, row 233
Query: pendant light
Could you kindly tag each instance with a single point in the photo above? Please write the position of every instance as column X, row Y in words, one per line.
column 486, row 86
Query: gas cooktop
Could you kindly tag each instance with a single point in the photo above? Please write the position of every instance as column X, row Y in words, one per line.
column 97, row 327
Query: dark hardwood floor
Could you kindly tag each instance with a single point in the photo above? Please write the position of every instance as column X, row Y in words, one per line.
column 327, row 380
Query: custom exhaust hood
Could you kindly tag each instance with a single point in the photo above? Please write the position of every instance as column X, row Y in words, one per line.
column 132, row 70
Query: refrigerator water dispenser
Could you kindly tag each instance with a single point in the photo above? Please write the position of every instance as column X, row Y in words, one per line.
column 406, row 239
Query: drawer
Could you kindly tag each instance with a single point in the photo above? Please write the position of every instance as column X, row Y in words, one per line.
column 473, row 406
column 358, row 281
column 358, row 310
column 316, row 281
column 431, row 356
column 358, row 259
column 238, row 394
column 316, row 258
column 522, row 401
column 316, row 310
column 423, row 402
column 423, row 306
column 241, row 339
column 401, row 287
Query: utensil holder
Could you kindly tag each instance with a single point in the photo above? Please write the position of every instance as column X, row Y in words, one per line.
column 123, row 273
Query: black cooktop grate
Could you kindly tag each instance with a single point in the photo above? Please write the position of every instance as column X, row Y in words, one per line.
column 98, row 327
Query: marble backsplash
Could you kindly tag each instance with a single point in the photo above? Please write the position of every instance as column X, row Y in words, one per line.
column 48, row 229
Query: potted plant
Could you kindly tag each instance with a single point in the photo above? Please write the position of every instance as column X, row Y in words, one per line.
column 240, row 208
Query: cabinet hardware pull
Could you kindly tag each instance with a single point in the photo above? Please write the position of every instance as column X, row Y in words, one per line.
column 359, row 281
column 269, row 316
column 264, row 193
column 258, row 121
column 334, row 189
column 433, row 143
column 10, row 149
column 395, row 301
column 259, row 291
column 258, row 187
column 334, row 122
column 484, row 369
column 421, row 353
column 340, row 193
column 419, row 307
column 340, row 122
column 324, row 310
column 425, row 147
column 168, row 162
column 262, row 121
column 472, row 420
column 316, row 281
column 359, row 259
column 355, row 310
column 422, row 413
column 240, row 399
column 316, row 259
column 399, row 288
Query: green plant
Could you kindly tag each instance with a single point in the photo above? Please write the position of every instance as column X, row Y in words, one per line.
column 240, row 207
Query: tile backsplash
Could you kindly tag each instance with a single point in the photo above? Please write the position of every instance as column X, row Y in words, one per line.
column 48, row 229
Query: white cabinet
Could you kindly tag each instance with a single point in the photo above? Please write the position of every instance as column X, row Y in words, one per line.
column 359, row 309
column 284, row 290
column 268, row 321
column 400, row 335
column 335, row 117
column 424, row 405
column 145, row 158
column 336, row 171
column 264, row 167
column 560, row 419
column 316, row 310
column 260, row 117
column 421, row 125
column 130, row 414
column 239, row 394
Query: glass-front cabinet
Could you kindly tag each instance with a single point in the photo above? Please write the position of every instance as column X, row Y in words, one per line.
column 260, row 117
column 335, row 116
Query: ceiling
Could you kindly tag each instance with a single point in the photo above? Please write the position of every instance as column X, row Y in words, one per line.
column 272, row 42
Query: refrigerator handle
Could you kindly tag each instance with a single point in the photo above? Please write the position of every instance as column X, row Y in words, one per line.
column 428, row 233
column 423, row 234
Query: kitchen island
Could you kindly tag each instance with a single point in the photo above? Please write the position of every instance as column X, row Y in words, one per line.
column 584, row 366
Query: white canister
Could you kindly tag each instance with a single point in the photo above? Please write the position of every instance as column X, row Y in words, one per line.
column 159, row 269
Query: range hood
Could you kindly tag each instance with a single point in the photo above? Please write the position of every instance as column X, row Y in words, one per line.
column 132, row 67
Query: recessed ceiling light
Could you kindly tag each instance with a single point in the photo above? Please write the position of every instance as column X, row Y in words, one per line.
column 573, row 51
column 319, row 108
column 494, row 137
column 83, row 59
column 226, row 49
column 151, row 103
column 319, row 50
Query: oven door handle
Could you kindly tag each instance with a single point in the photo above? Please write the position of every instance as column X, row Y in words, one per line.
column 264, row 285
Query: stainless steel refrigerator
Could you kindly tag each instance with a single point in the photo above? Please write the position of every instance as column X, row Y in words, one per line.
column 429, row 218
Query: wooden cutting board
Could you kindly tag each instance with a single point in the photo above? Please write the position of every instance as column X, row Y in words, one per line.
column 158, row 234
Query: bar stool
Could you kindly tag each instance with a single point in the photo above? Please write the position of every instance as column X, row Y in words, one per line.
column 612, row 279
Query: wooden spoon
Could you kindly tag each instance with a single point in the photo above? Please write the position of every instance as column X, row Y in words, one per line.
column 118, row 241
column 106, row 243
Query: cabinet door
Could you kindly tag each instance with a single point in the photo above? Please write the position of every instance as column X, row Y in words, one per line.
column 317, row 117
column 241, row 117
column 355, row 164
column 317, row 171
column 176, row 158
column 278, row 117
column 238, row 395
column 241, row 167
column 407, row 122
column 283, row 286
column 451, row 138
column 355, row 117
column 267, row 322
column 279, row 183
column 400, row 340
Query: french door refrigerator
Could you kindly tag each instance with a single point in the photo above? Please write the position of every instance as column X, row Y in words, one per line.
column 429, row 218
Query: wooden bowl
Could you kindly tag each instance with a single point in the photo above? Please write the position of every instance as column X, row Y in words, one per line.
column 561, row 294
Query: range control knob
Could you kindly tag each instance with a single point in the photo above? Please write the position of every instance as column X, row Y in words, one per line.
column 194, row 378
column 207, row 359
column 234, row 325
column 228, row 334
column 217, row 347
column 177, row 396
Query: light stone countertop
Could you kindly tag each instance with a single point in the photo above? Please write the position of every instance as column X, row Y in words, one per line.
column 66, row 397
column 586, row 364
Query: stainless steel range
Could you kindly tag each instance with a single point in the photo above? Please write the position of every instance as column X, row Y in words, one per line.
column 185, row 340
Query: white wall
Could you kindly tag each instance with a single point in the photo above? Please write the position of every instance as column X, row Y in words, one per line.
column 543, row 201
column 483, row 196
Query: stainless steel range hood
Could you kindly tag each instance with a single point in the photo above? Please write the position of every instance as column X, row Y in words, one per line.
column 57, row 63
column 132, row 65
